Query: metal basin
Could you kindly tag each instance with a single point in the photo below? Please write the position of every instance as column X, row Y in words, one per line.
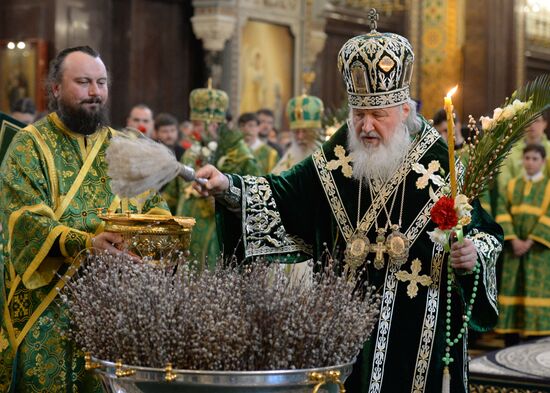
column 117, row 378
column 152, row 237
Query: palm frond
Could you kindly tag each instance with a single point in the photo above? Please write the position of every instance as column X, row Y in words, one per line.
column 488, row 151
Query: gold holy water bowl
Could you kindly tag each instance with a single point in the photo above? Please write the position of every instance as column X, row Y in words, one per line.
column 151, row 237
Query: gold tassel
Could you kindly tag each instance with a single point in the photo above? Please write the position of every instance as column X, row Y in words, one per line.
column 446, row 385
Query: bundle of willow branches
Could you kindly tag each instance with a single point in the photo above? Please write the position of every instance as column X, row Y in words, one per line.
column 238, row 318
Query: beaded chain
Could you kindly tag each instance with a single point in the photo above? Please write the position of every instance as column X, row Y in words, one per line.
column 447, row 359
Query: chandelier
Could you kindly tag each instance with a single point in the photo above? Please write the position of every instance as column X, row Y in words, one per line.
column 537, row 5
column 537, row 21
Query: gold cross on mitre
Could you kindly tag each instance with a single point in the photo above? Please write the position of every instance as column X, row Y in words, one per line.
column 373, row 17
column 342, row 160
column 414, row 278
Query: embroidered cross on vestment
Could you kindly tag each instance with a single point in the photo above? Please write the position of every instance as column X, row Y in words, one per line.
column 342, row 160
column 414, row 278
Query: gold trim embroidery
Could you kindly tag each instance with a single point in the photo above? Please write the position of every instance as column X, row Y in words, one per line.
column 416, row 152
column 50, row 163
column 262, row 227
column 388, row 299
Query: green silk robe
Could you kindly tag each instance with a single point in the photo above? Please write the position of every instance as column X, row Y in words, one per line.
column 524, row 298
column 41, row 165
column 266, row 157
column 314, row 205
column 232, row 155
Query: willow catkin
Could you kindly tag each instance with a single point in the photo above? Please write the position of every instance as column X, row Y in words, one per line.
column 238, row 318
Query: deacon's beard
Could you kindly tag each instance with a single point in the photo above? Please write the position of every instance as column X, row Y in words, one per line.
column 80, row 120
column 378, row 163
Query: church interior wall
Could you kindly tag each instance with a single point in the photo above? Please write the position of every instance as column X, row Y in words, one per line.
column 155, row 58
column 149, row 47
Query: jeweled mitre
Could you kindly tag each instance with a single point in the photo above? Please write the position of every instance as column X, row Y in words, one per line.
column 377, row 69
column 208, row 104
column 305, row 112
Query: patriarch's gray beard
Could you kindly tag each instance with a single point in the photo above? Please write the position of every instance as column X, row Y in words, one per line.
column 378, row 163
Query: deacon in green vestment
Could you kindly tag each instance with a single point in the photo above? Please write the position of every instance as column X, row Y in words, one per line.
column 524, row 297
column 52, row 183
column 265, row 155
column 362, row 185
column 513, row 165
column 218, row 145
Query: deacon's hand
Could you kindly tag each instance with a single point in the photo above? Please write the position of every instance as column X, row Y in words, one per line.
column 216, row 184
column 107, row 241
column 520, row 247
column 463, row 255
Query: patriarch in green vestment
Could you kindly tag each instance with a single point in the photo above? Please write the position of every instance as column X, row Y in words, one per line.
column 360, row 195
column 524, row 297
column 216, row 144
column 52, row 183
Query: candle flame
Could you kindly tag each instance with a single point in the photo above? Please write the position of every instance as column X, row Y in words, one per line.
column 452, row 91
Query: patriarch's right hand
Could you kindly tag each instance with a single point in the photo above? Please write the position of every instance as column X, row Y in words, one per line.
column 216, row 183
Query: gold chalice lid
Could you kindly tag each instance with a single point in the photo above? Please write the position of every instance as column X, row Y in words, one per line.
column 135, row 219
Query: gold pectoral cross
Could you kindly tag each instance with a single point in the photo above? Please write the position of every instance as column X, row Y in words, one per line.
column 379, row 248
column 414, row 278
column 342, row 160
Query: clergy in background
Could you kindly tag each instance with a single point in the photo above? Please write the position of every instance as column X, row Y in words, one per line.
column 214, row 144
column 266, row 156
column 304, row 115
column 525, row 286
column 359, row 193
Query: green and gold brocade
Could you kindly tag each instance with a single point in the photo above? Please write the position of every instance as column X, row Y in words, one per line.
column 313, row 207
column 524, row 298
column 266, row 157
column 232, row 155
column 45, row 230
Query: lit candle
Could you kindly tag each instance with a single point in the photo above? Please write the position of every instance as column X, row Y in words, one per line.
column 451, row 139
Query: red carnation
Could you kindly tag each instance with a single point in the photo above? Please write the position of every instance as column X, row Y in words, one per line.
column 443, row 213
column 186, row 144
column 196, row 135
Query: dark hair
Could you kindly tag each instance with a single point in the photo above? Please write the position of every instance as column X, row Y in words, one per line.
column 536, row 148
column 439, row 117
column 55, row 73
column 165, row 119
column 246, row 117
column 141, row 106
column 24, row 105
column 265, row 111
